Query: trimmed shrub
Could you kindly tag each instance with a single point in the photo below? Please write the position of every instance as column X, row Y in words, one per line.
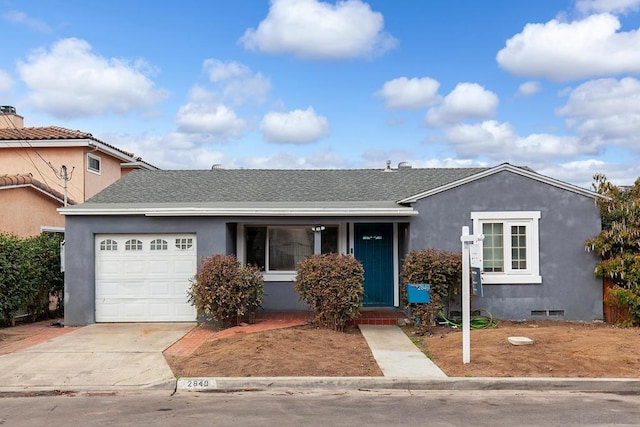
column 227, row 291
column 332, row 286
column 442, row 270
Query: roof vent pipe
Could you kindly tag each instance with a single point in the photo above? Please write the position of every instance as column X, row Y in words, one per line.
column 388, row 168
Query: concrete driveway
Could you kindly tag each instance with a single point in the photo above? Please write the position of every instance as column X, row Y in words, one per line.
column 96, row 357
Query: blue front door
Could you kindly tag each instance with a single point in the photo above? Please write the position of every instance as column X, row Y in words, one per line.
column 373, row 247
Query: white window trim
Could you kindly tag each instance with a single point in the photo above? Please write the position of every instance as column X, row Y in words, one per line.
column 89, row 169
column 531, row 220
column 283, row 276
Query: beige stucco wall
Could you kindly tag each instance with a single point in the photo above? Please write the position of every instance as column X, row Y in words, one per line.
column 24, row 210
column 27, row 160
column 109, row 173
column 83, row 184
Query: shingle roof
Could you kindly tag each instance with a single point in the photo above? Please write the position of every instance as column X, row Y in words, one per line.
column 21, row 180
column 246, row 186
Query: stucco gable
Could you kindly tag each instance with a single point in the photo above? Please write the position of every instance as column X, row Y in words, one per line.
column 522, row 171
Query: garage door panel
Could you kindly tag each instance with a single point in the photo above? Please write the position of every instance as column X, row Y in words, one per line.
column 133, row 266
column 157, row 267
column 110, row 267
column 108, row 289
column 144, row 285
column 160, row 309
column 184, row 266
column 161, row 290
column 130, row 289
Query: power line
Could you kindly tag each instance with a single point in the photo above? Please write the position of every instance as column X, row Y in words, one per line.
column 63, row 175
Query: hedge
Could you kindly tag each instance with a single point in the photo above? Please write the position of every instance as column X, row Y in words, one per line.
column 29, row 275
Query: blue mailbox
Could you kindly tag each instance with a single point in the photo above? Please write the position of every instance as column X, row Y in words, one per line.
column 418, row 293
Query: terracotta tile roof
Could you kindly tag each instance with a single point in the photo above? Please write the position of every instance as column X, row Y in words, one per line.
column 28, row 180
column 49, row 133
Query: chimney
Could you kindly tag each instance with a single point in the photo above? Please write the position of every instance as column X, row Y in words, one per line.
column 9, row 119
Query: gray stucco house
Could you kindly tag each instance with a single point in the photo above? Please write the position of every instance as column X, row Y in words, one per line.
column 131, row 249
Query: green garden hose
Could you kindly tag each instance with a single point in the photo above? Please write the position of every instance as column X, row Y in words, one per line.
column 477, row 322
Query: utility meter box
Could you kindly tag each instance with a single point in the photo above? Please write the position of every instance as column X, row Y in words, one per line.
column 418, row 293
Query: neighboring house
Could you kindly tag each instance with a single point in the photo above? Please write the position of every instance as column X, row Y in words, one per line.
column 132, row 249
column 31, row 172
column 29, row 207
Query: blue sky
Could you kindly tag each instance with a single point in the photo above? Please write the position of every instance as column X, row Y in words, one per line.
column 323, row 84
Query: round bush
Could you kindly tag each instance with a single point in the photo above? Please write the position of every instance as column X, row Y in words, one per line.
column 332, row 286
column 225, row 290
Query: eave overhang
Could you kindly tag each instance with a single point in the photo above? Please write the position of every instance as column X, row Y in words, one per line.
column 243, row 212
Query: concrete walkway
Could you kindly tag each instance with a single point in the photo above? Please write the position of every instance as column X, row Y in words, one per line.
column 396, row 355
column 96, row 357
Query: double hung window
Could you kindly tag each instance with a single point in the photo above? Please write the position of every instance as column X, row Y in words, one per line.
column 510, row 247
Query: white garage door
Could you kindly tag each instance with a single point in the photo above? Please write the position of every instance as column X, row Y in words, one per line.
column 144, row 278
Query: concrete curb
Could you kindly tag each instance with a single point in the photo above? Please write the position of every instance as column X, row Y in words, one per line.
column 221, row 384
column 168, row 386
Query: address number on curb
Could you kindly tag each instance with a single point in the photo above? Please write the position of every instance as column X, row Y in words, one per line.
column 196, row 384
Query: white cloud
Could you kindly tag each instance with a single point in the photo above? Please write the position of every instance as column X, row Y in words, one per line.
column 318, row 30
column 450, row 163
column 581, row 172
column 500, row 142
column 466, row 101
column 215, row 120
column 607, row 110
column 562, row 51
column 613, row 6
column 529, row 88
column 412, row 93
column 325, row 159
column 174, row 150
column 71, row 81
column 220, row 71
column 22, row 18
column 6, row 82
column 294, row 127
column 236, row 82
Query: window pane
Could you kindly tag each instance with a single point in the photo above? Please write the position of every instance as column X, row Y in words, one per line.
column 255, row 241
column 184, row 243
column 133, row 245
column 329, row 240
column 108, row 245
column 518, row 247
column 493, row 247
column 159, row 245
column 288, row 246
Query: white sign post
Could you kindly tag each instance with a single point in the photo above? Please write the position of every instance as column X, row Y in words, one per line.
column 468, row 241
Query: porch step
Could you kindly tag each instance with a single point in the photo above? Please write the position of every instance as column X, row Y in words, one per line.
column 379, row 317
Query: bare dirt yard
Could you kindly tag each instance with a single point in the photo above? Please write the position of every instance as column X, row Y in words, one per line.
column 298, row 351
column 561, row 349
